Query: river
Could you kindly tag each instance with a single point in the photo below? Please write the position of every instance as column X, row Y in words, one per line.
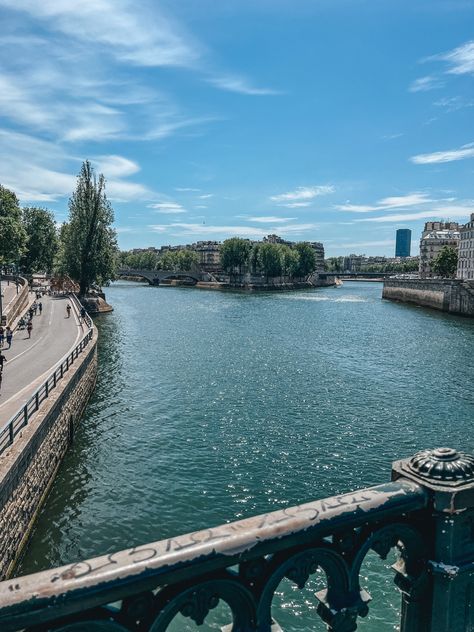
column 216, row 406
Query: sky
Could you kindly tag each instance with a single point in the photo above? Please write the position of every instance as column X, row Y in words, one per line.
column 323, row 120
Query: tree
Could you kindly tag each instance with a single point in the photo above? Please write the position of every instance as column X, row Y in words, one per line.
column 307, row 263
column 446, row 262
column 270, row 259
column 42, row 241
column 234, row 253
column 12, row 233
column 186, row 259
column 290, row 260
column 90, row 243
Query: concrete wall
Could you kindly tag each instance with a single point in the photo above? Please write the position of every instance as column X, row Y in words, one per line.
column 28, row 467
column 453, row 296
column 17, row 306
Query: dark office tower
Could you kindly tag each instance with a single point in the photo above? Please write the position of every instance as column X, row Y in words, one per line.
column 403, row 244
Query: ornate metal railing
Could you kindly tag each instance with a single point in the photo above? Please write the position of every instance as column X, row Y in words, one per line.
column 21, row 418
column 426, row 513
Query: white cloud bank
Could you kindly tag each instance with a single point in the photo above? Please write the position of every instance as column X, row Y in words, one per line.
column 301, row 196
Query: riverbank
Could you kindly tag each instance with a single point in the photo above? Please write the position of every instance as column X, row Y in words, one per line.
column 454, row 296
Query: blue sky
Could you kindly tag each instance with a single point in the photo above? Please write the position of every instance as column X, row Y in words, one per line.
column 331, row 120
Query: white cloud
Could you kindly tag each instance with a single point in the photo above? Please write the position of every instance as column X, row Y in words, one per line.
column 423, row 84
column 442, row 212
column 186, row 189
column 182, row 229
column 301, row 194
column 466, row 151
column 461, row 59
column 115, row 166
column 170, row 208
column 206, row 196
column 270, row 219
column 241, row 86
column 388, row 203
column 115, row 25
column 452, row 104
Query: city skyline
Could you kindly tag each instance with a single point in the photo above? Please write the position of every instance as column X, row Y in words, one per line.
column 338, row 122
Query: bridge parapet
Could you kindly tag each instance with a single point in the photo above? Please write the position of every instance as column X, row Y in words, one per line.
column 155, row 277
column 426, row 512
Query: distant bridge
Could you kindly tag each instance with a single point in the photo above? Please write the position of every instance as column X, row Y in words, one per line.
column 358, row 275
column 155, row 277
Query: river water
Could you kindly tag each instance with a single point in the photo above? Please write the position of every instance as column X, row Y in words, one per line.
column 215, row 406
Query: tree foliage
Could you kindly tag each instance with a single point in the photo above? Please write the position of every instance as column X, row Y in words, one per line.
column 270, row 259
column 446, row 262
column 12, row 233
column 89, row 243
column 42, row 240
column 234, row 253
column 307, row 259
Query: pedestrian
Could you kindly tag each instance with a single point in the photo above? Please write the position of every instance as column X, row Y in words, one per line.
column 68, row 310
column 83, row 313
column 29, row 328
column 2, row 360
column 31, row 311
column 35, row 307
column 9, row 336
column 40, row 307
column 2, row 336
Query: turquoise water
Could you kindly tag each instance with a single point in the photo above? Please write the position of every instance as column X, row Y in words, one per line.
column 216, row 406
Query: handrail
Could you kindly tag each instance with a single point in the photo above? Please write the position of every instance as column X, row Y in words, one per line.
column 21, row 418
column 209, row 554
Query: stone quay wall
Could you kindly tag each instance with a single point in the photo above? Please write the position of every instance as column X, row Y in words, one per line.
column 20, row 303
column 28, row 467
column 449, row 295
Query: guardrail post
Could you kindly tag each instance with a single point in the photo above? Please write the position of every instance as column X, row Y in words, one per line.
column 25, row 414
column 54, row 379
column 67, row 366
column 10, row 432
column 37, row 401
column 444, row 601
column 46, row 389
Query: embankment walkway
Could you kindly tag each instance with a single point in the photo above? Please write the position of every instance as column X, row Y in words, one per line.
column 30, row 361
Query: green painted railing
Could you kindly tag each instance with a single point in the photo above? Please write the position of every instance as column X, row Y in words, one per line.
column 426, row 513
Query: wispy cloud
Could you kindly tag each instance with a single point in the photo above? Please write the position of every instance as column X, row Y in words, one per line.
column 460, row 59
column 466, row 151
column 270, row 219
column 183, row 229
column 449, row 211
column 424, row 84
column 206, row 196
column 186, row 190
column 388, row 203
column 241, row 86
column 362, row 244
column 301, row 196
column 169, row 208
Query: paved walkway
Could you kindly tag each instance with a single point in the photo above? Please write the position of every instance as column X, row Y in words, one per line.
column 8, row 293
column 30, row 361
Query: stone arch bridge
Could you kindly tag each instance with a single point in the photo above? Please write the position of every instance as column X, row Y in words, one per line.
column 155, row 277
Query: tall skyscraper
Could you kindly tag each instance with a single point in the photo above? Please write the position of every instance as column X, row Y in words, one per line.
column 403, row 243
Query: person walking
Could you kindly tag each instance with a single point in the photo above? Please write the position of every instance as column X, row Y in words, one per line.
column 68, row 310
column 35, row 307
column 29, row 328
column 9, row 336
column 40, row 307
column 83, row 314
column 2, row 336
column 31, row 311
column 2, row 360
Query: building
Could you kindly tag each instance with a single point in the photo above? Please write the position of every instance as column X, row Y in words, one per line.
column 403, row 242
column 209, row 257
column 435, row 236
column 466, row 251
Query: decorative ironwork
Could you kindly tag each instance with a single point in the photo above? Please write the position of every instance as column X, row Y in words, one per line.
column 443, row 464
column 242, row 564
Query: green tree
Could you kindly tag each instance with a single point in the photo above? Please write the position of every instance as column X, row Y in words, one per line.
column 234, row 253
column 169, row 260
column 290, row 260
column 446, row 262
column 12, row 233
column 186, row 259
column 307, row 259
column 90, row 243
column 270, row 260
column 42, row 244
